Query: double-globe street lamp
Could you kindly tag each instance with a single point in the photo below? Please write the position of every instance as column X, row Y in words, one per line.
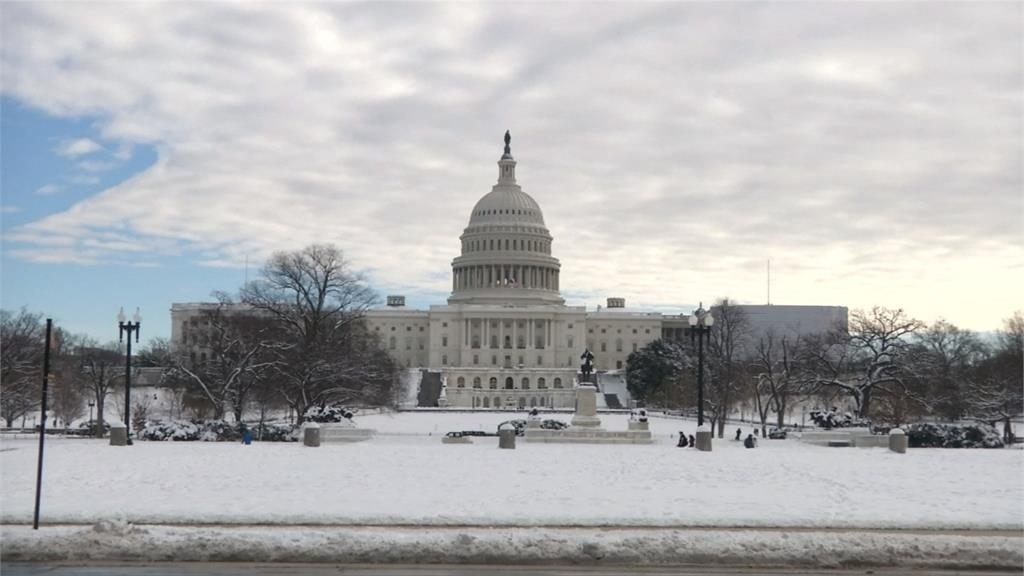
column 129, row 327
column 700, row 329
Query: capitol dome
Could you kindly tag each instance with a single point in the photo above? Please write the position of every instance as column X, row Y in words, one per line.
column 506, row 248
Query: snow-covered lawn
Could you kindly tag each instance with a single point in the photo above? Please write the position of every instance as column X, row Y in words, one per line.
column 405, row 476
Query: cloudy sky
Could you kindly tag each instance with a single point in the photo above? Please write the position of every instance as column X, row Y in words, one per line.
column 871, row 151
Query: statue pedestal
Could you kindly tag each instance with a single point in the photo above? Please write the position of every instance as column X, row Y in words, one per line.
column 586, row 407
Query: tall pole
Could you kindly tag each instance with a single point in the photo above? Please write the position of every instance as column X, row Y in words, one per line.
column 700, row 376
column 42, row 427
column 128, row 386
column 128, row 327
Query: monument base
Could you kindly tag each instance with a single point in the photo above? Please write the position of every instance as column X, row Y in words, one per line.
column 586, row 421
column 342, row 433
column 585, row 435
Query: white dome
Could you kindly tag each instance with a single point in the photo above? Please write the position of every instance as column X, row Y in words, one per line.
column 506, row 249
column 506, row 204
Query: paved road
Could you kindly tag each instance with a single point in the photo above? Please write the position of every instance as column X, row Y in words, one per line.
column 240, row 569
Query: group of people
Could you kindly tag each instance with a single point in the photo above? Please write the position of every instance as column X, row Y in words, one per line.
column 750, row 441
column 683, row 442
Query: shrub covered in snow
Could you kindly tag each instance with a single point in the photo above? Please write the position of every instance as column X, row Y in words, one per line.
column 275, row 432
column 220, row 431
column 171, row 431
column 180, row 431
column 829, row 419
column 951, row 436
column 333, row 413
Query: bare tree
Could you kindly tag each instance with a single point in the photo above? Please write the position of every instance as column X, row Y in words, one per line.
column 775, row 362
column 22, row 337
column 997, row 392
column 100, row 368
column 68, row 401
column 236, row 345
column 728, row 367
column 873, row 355
column 942, row 361
column 318, row 302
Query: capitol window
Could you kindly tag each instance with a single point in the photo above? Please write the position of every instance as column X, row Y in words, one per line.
column 476, row 359
column 444, row 341
column 461, row 382
column 476, row 382
column 558, row 383
column 542, row 383
column 493, row 385
column 525, row 383
column 444, row 359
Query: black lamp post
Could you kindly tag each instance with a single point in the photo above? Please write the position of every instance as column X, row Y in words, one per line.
column 700, row 329
column 128, row 327
column 91, row 423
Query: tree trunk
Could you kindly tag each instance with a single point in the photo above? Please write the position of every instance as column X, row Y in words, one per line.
column 98, row 424
column 865, row 403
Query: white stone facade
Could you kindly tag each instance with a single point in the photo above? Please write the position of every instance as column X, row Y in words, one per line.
column 506, row 338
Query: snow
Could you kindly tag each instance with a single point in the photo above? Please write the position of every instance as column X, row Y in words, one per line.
column 121, row 541
column 406, row 476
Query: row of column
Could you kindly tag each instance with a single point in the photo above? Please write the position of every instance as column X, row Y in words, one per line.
column 545, row 330
column 514, row 275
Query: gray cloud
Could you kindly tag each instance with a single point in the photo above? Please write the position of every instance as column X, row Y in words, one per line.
column 871, row 150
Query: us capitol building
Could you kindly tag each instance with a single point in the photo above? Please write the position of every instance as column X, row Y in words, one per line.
column 506, row 338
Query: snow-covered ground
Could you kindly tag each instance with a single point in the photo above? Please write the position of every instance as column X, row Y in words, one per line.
column 406, row 476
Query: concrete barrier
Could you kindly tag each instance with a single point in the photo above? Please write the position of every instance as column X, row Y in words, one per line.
column 311, row 435
column 898, row 441
column 507, row 439
column 703, row 439
column 118, row 434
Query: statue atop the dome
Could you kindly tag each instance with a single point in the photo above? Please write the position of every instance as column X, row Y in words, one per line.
column 508, row 141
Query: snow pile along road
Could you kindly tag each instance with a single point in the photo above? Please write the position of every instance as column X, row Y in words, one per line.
column 762, row 548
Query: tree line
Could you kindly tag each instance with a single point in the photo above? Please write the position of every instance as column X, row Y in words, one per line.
column 884, row 365
column 294, row 337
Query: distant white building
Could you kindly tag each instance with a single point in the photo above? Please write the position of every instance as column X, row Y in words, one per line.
column 505, row 338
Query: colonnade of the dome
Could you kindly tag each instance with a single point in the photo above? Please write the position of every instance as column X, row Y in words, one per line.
column 475, row 277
